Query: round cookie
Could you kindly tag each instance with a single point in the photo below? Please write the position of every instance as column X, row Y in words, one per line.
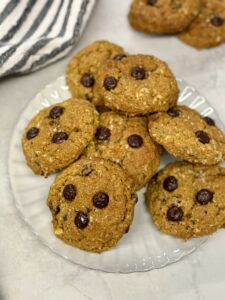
column 184, row 133
column 126, row 141
column 88, row 212
column 81, row 74
column 208, row 29
column 163, row 16
column 57, row 135
column 187, row 200
column 138, row 84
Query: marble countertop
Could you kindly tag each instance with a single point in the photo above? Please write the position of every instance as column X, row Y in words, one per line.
column 28, row 269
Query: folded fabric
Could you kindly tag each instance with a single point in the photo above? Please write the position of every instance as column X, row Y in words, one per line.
column 36, row 33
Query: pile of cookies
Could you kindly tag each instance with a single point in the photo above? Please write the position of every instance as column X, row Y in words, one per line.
column 198, row 23
column 107, row 140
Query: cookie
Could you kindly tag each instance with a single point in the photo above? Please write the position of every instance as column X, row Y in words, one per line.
column 82, row 69
column 163, row 16
column 184, row 133
column 138, row 84
column 57, row 135
column 208, row 29
column 187, row 200
column 126, row 141
column 88, row 212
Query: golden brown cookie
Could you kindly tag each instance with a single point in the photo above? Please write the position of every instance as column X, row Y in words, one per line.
column 81, row 70
column 92, row 204
column 208, row 29
column 187, row 200
column 163, row 16
column 184, row 133
column 126, row 141
column 138, row 84
column 57, row 135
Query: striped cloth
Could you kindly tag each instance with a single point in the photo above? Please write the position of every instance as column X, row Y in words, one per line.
column 35, row 33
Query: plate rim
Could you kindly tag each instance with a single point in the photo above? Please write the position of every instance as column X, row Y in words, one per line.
column 52, row 249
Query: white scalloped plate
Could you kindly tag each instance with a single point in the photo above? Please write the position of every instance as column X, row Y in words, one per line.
column 143, row 248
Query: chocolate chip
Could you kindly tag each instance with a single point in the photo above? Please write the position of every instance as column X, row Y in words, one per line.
column 135, row 141
column 110, row 83
column 100, row 200
column 134, row 197
column 56, row 112
column 138, row 73
column 175, row 213
column 69, row 192
column 59, row 137
column 151, row 2
column 32, row 133
column 173, row 112
column 202, row 136
column 119, row 56
column 217, row 21
column 81, row 220
column 102, row 133
column 87, row 80
column 204, row 196
column 170, row 184
column 87, row 169
column 65, row 217
column 209, row 121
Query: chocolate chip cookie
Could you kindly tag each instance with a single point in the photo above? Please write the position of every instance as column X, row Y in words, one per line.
column 163, row 16
column 57, row 135
column 138, row 84
column 208, row 29
column 81, row 74
column 126, row 141
column 187, row 200
column 92, row 204
column 184, row 133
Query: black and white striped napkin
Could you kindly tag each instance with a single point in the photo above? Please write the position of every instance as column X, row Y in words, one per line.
column 35, row 33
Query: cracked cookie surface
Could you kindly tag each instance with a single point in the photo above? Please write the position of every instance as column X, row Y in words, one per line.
column 163, row 16
column 138, row 84
column 92, row 204
column 208, row 29
column 187, row 200
column 184, row 133
column 81, row 74
column 126, row 141
column 58, row 134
